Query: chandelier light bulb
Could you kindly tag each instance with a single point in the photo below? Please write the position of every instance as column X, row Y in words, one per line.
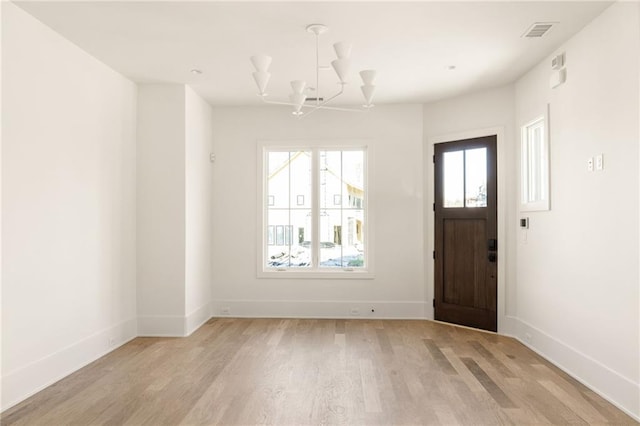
column 261, row 78
column 368, row 77
column 261, row 62
column 368, row 90
column 343, row 50
column 298, row 86
column 341, row 67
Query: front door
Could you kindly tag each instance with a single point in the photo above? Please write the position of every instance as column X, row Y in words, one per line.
column 466, row 235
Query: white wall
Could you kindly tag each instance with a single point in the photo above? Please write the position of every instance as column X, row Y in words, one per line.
column 198, row 205
column 578, row 297
column 174, row 210
column 478, row 114
column 68, row 207
column 161, row 209
column 1, row 386
column 395, row 177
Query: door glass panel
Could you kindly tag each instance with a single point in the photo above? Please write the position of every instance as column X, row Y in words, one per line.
column 476, row 177
column 453, row 179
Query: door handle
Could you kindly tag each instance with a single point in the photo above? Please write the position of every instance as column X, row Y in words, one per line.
column 493, row 257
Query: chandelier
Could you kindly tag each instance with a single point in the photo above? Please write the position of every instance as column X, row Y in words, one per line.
column 298, row 99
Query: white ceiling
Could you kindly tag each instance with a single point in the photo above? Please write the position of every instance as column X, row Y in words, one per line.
column 411, row 44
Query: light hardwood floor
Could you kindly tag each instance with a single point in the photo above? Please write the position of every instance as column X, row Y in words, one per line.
column 312, row 372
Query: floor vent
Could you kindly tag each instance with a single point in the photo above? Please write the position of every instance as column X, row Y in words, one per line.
column 538, row 29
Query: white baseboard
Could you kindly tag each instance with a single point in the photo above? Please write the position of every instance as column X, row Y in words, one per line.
column 173, row 325
column 611, row 385
column 195, row 319
column 318, row 309
column 161, row 326
column 20, row 384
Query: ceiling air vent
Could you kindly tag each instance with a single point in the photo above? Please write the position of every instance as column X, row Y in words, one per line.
column 538, row 29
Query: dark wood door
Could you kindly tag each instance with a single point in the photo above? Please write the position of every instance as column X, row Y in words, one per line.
column 466, row 234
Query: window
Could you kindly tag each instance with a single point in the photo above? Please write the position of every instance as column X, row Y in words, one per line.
column 465, row 178
column 313, row 211
column 534, row 166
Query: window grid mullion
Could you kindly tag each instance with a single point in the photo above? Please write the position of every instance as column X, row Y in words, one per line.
column 289, row 209
column 341, row 212
column 464, row 178
column 315, row 211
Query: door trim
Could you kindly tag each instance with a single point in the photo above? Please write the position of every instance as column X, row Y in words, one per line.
column 502, row 216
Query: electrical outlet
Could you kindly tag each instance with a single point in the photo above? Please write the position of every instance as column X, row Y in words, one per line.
column 355, row 311
column 590, row 164
column 225, row 311
column 599, row 162
column 373, row 311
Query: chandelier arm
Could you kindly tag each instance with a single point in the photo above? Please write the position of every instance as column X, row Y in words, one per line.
column 322, row 105
column 316, row 106
column 275, row 102
column 331, row 108
column 286, row 103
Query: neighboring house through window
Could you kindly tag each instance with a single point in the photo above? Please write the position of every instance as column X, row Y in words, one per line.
column 314, row 210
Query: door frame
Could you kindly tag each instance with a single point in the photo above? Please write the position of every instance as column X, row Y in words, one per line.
column 429, row 229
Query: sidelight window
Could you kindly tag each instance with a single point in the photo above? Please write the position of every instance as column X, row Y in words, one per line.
column 534, row 165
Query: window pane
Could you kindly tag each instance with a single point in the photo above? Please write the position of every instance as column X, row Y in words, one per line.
column 331, row 238
column 289, row 214
column 342, row 239
column 289, row 179
column 476, row 177
column 341, row 216
column 289, row 238
column 534, row 167
column 300, row 170
column 278, row 179
column 353, row 176
column 330, row 179
column 453, row 164
column 353, row 238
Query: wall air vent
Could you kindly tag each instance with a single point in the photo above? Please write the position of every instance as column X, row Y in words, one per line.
column 538, row 29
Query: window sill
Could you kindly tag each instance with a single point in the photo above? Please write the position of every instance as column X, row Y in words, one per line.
column 339, row 274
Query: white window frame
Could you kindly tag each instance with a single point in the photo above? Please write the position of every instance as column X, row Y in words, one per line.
column 526, row 179
column 263, row 271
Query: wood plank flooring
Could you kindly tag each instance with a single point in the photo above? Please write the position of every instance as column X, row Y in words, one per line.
column 317, row 372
